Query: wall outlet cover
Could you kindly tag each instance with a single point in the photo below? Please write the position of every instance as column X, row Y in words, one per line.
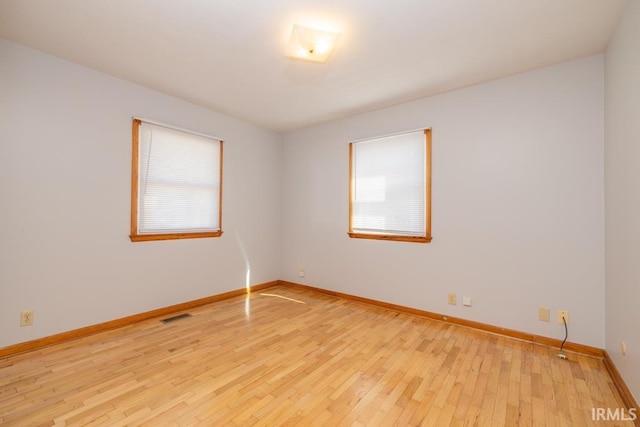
column 544, row 314
column 26, row 318
column 561, row 314
column 451, row 299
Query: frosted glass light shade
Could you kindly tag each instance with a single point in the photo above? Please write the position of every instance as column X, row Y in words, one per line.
column 311, row 44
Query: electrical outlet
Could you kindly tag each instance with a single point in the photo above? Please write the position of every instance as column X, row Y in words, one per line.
column 301, row 272
column 466, row 301
column 26, row 318
column 561, row 314
column 623, row 348
column 544, row 314
column 452, row 299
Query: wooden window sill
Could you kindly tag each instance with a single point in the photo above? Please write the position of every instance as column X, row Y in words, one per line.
column 173, row 236
column 414, row 239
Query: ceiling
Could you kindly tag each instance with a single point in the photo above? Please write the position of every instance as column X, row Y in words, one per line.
column 228, row 55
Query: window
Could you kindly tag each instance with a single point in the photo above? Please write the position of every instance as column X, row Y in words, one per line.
column 176, row 184
column 390, row 187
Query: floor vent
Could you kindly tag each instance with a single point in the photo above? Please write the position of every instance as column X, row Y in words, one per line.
column 174, row 318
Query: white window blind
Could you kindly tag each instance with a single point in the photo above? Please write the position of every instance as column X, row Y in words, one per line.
column 178, row 181
column 389, row 179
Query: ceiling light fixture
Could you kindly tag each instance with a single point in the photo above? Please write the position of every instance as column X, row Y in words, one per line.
column 311, row 44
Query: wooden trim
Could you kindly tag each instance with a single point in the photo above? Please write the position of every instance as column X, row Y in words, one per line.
column 220, row 191
column 427, row 184
column 135, row 160
column 624, row 391
column 125, row 321
column 173, row 236
column 525, row 336
column 134, row 175
column 394, row 237
column 351, row 187
column 414, row 239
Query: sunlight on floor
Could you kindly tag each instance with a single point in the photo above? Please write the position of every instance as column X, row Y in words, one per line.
column 283, row 297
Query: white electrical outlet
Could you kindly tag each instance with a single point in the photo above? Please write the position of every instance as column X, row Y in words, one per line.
column 623, row 348
column 26, row 318
column 301, row 272
column 466, row 301
column 452, row 299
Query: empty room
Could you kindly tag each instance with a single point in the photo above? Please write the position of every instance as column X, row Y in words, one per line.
column 341, row 213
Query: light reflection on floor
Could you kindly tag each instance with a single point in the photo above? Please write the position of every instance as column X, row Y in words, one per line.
column 283, row 297
column 247, row 301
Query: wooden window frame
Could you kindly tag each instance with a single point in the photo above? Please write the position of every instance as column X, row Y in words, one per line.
column 135, row 236
column 395, row 237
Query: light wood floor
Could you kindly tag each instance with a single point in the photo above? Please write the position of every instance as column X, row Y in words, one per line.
column 310, row 359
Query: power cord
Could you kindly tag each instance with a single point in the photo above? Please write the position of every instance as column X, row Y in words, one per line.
column 561, row 355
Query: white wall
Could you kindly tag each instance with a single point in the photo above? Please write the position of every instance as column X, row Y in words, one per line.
column 65, row 167
column 518, row 204
column 622, row 184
